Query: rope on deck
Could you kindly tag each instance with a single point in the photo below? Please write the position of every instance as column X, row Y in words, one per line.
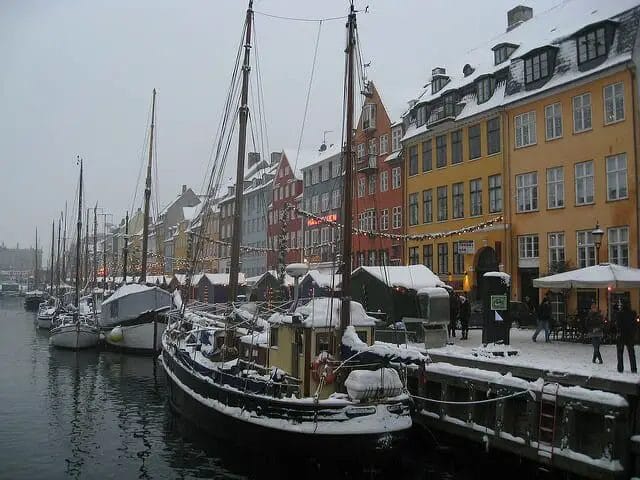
column 474, row 402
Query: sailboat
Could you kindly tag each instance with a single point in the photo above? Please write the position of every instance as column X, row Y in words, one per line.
column 35, row 297
column 131, row 316
column 74, row 330
column 47, row 310
column 305, row 399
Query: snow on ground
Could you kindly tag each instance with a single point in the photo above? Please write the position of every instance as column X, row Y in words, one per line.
column 557, row 356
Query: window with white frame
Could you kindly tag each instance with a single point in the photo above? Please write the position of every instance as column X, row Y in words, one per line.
column 326, row 172
column 457, row 197
column 369, row 116
column 586, row 249
column 413, row 209
column 582, row 112
column 591, row 45
column 536, row 67
column 613, row 103
column 397, row 217
column 361, row 186
column 555, row 187
column 384, row 219
column 618, row 241
column 555, row 241
column 617, row 177
column 335, row 199
column 395, row 178
column 396, row 138
column 384, row 144
column 306, row 238
column 315, row 174
column 553, row 121
column 370, row 219
column 384, row 181
column 442, row 193
column 525, row 125
column 584, row 183
column 324, row 235
column 325, row 201
column 495, row 193
column 373, row 146
column 475, row 189
column 315, row 236
column 336, row 168
column 372, row 184
column 528, row 246
column 315, row 204
column 527, row 192
column 361, row 150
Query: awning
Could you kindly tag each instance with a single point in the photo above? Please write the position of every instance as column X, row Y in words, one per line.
column 597, row 276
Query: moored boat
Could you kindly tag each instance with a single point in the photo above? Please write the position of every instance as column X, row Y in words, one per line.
column 74, row 331
column 33, row 299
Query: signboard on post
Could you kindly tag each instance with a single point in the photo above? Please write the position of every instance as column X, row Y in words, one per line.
column 498, row 302
column 466, row 247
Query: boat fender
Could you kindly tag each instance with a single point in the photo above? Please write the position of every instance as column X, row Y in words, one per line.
column 321, row 367
column 116, row 334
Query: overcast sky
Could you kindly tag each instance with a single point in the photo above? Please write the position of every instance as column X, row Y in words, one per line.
column 77, row 76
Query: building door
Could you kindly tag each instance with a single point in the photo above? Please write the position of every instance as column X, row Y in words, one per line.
column 526, row 284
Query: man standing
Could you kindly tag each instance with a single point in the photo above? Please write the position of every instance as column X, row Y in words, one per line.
column 544, row 318
column 595, row 331
column 626, row 325
column 453, row 313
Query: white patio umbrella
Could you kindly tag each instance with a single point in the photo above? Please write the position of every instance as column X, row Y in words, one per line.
column 597, row 276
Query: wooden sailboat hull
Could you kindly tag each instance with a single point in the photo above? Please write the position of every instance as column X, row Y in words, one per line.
column 44, row 322
column 74, row 336
column 233, row 416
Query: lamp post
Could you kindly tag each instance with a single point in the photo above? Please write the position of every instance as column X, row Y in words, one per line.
column 597, row 234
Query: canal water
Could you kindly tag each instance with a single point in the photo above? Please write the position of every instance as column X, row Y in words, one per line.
column 104, row 415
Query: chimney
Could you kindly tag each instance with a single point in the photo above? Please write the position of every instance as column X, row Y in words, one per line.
column 438, row 71
column 275, row 157
column 518, row 15
column 184, row 189
column 252, row 159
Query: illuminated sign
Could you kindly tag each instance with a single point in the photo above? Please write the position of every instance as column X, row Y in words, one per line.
column 327, row 218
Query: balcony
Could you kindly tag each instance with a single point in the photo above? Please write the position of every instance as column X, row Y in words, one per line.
column 369, row 165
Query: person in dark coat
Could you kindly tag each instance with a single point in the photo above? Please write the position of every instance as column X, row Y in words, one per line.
column 465, row 315
column 626, row 325
column 595, row 331
column 544, row 318
column 453, row 313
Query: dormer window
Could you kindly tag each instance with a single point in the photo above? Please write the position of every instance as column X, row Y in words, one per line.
column 502, row 52
column 538, row 66
column 592, row 45
column 450, row 105
column 369, row 116
column 438, row 84
column 484, row 88
column 421, row 115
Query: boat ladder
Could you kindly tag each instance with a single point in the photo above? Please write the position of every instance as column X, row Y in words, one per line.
column 547, row 421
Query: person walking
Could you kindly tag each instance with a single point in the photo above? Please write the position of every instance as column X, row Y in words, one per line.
column 453, row 314
column 626, row 325
column 544, row 318
column 465, row 315
column 595, row 331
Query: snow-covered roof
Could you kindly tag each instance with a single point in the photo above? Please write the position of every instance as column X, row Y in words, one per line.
column 330, row 152
column 324, row 280
column 125, row 290
column 299, row 160
column 413, row 276
column 288, row 280
column 325, row 312
column 190, row 213
column 553, row 27
column 220, row 278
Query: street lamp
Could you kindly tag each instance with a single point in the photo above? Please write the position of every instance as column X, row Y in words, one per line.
column 597, row 234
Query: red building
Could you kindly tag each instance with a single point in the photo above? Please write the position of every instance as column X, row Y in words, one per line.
column 378, row 189
column 287, row 189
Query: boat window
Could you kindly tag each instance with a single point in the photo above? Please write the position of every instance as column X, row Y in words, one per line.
column 113, row 309
column 274, row 336
column 322, row 342
column 363, row 335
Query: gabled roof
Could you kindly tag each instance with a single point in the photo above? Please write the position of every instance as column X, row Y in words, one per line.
column 330, row 152
column 412, row 276
column 299, row 160
column 554, row 27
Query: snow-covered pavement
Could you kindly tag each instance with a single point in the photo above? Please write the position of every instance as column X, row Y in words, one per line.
column 556, row 356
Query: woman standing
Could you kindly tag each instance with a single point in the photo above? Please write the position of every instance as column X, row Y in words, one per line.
column 595, row 329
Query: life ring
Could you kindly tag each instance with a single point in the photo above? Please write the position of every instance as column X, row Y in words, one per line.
column 321, row 367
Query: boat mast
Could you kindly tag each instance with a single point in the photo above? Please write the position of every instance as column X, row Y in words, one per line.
column 58, row 257
column 125, row 249
column 104, row 252
column 86, row 250
column 64, row 246
column 78, row 239
column 147, row 196
column 35, row 270
column 95, row 246
column 53, row 240
column 242, row 139
column 347, row 156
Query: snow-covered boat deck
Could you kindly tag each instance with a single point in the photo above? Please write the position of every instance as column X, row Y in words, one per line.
column 568, row 363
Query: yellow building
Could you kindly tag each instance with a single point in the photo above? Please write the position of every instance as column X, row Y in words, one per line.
column 537, row 126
